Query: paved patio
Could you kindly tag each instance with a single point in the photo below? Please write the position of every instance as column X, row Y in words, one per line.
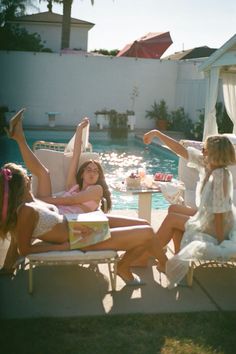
column 64, row 291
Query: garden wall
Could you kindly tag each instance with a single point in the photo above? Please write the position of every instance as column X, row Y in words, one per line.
column 75, row 86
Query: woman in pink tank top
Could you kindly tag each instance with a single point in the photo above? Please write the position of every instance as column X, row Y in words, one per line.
column 88, row 186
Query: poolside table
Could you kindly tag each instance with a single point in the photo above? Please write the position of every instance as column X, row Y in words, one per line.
column 144, row 198
column 145, row 195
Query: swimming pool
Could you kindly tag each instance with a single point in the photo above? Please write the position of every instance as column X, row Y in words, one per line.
column 119, row 157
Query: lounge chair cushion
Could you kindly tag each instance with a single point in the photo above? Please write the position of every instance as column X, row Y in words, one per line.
column 58, row 163
column 71, row 256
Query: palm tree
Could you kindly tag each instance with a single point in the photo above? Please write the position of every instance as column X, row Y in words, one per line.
column 49, row 5
column 65, row 34
column 10, row 9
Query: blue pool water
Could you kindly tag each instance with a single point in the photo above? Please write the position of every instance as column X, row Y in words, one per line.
column 118, row 159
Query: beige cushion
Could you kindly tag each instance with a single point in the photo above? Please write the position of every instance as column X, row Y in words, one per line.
column 58, row 163
column 71, row 256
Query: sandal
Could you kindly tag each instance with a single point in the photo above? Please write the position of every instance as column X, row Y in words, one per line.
column 136, row 281
column 13, row 122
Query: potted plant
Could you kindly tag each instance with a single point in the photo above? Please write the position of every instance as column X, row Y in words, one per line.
column 101, row 117
column 179, row 121
column 159, row 112
column 118, row 127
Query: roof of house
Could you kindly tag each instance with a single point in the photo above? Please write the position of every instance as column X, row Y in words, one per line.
column 49, row 17
column 198, row 52
column 216, row 58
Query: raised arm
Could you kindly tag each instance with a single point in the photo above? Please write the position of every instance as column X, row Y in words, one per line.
column 94, row 192
column 172, row 144
column 73, row 167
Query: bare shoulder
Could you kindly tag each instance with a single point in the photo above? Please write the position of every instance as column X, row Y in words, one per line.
column 26, row 211
column 96, row 188
column 26, row 218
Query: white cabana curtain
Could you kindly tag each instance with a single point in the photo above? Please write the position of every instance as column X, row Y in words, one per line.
column 229, row 92
column 210, row 125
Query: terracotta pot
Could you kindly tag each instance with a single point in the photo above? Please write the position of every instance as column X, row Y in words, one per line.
column 162, row 124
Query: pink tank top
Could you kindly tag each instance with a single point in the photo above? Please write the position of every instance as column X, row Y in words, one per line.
column 76, row 209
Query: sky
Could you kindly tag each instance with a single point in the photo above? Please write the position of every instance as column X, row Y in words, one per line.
column 191, row 23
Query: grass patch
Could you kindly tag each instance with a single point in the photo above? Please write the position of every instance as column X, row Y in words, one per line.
column 200, row 333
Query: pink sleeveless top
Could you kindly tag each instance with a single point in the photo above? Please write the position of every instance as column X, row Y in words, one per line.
column 76, row 209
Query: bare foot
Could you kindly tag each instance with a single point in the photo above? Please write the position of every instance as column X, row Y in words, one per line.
column 15, row 125
column 161, row 267
column 124, row 273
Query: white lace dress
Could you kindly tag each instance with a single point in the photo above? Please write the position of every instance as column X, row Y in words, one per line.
column 214, row 194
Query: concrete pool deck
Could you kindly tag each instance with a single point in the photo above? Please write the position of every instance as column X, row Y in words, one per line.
column 80, row 291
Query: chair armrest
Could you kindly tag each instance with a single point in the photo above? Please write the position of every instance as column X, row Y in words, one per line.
column 41, row 144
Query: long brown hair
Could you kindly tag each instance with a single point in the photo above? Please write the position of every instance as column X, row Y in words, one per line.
column 15, row 197
column 101, row 181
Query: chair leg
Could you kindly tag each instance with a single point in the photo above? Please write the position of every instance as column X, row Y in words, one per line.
column 113, row 276
column 30, row 278
column 190, row 274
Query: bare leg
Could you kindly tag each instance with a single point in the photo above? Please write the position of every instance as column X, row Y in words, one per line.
column 171, row 223
column 181, row 209
column 178, row 233
column 127, row 239
column 117, row 221
column 152, row 246
column 32, row 162
column 123, row 268
column 73, row 167
column 177, row 237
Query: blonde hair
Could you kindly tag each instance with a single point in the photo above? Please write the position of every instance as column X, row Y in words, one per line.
column 17, row 186
column 220, row 151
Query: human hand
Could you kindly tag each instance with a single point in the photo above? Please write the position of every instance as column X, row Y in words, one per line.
column 147, row 138
column 82, row 230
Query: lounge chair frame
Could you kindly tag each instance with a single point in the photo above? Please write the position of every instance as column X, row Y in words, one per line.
column 76, row 257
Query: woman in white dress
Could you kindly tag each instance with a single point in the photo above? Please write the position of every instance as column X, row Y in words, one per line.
column 211, row 232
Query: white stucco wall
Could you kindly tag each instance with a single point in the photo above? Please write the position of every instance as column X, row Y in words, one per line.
column 51, row 36
column 77, row 85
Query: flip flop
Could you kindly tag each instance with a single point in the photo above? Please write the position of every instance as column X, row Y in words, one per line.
column 13, row 122
column 133, row 282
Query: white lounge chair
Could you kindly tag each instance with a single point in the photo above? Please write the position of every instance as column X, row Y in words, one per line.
column 53, row 157
column 189, row 176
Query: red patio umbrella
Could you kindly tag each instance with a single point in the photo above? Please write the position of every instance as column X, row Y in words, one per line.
column 152, row 45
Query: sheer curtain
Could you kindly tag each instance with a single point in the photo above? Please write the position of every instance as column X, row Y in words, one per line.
column 229, row 91
column 210, row 125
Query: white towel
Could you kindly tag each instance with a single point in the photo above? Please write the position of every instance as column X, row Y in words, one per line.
column 172, row 191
